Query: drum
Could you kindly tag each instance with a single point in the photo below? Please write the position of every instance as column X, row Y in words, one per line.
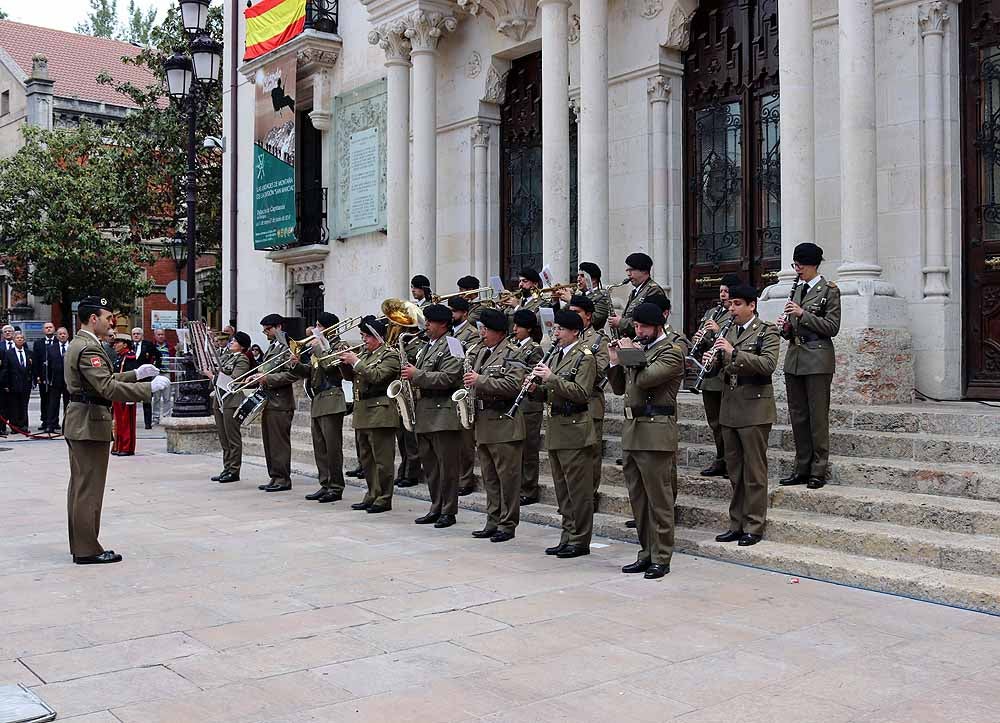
column 251, row 408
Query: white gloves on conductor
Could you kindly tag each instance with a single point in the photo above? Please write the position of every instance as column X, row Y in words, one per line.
column 147, row 371
column 160, row 383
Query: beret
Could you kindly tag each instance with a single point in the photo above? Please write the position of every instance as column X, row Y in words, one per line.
column 530, row 274
column 808, row 253
column 525, row 319
column 468, row 282
column 569, row 320
column 459, row 304
column 437, row 312
column 582, row 302
column 731, row 280
column 494, row 319
column 420, row 282
column 639, row 261
column 648, row 313
column 272, row 320
column 592, row 269
column 372, row 326
column 326, row 319
column 660, row 300
column 96, row 302
column 743, row 291
column 243, row 339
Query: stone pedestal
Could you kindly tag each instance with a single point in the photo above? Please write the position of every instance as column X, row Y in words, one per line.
column 190, row 435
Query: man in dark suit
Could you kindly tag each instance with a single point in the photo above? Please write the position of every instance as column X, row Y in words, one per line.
column 145, row 353
column 6, row 342
column 18, row 380
column 43, row 376
column 58, row 395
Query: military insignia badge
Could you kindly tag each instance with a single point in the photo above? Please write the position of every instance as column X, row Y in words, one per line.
column 95, row 362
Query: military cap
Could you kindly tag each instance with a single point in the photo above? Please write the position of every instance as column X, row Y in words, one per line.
column 743, row 291
column 468, row 283
column 243, row 339
column 326, row 319
column 420, row 282
column 639, row 261
column 272, row 320
column 569, row 320
column 591, row 269
column 437, row 312
column 525, row 318
column 494, row 319
column 372, row 326
column 530, row 274
column 457, row 303
column 582, row 302
column 124, row 337
column 94, row 302
column 808, row 254
column 660, row 300
column 648, row 313
column 731, row 280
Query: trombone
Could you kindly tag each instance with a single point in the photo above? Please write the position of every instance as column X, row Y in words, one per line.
column 296, row 346
column 485, row 291
column 337, row 352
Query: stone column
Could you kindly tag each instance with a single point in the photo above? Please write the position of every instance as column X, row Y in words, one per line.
column 933, row 18
column 658, row 89
column 424, row 29
column 555, row 135
column 593, row 228
column 392, row 39
column 38, row 94
column 480, row 195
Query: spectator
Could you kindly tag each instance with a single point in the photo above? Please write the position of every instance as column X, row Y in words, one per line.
column 257, row 354
column 145, row 353
column 7, row 342
column 161, row 400
column 43, row 375
column 18, row 380
column 124, row 412
column 58, row 394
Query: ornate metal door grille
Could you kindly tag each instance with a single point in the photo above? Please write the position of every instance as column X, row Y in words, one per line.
column 312, row 303
column 732, row 148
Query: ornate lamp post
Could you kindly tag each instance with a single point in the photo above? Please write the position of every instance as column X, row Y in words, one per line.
column 177, row 248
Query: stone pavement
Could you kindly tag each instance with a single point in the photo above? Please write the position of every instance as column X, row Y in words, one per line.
column 235, row 605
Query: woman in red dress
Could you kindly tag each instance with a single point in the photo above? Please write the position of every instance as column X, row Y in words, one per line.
column 124, row 412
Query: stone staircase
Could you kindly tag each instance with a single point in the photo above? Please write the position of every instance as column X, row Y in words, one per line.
column 913, row 506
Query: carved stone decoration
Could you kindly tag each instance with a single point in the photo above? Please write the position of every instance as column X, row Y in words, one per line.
column 932, row 18
column 651, row 8
column 513, row 18
column 474, row 65
column 313, row 273
column 480, row 135
column 321, row 57
column 658, row 89
column 574, row 29
column 679, row 29
column 424, row 29
column 391, row 37
column 496, row 86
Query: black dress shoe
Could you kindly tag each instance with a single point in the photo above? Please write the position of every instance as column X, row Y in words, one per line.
column 403, row 482
column 445, row 521
column 43, row 428
column 356, row 472
column 264, row 487
column 525, row 500
column 216, row 477
column 794, row 479
column 484, row 533
column 731, row 536
column 573, row 551
column 815, row 483
column 463, row 491
column 228, row 477
column 637, row 566
column 716, row 469
column 749, row 539
column 656, row 571
column 555, row 550
column 501, row 536
column 630, row 524
column 321, row 492
column 275, row 487
column 149, row 426
column 331, row 496
column 427, row 519
column 361, row 505
column 376, row 509
column 106, row 557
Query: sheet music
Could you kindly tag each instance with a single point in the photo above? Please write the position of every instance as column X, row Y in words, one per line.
column 455, row 347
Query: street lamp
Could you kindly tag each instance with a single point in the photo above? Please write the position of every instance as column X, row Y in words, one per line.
column 177, row 248
column 194, row 14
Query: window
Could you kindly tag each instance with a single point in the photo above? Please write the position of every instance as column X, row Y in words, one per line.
column 5, row 102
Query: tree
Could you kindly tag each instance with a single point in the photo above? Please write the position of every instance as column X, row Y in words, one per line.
column 140, row 24
column 102, row 20
column 3, row 14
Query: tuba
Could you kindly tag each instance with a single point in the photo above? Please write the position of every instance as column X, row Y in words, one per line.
column 402, row 315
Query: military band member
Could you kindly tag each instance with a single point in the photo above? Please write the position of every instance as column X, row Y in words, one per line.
column 810, row 321
column 420, row 290
column 638, row 268
column 749, row 358
column 233, row 362
column 410, row 472
column 276, row 420
column 435, row 376
column 567, row 384
column 467, row 332
column 470, row 284
column 598, row 345
column 375, row 415
column 526, row 296
column 711, row 388
column 649, row 436
column 529, row 352
column 495, row 379
column 324, row 385
column 92, row 386
column 461, row 327
column 588, row 283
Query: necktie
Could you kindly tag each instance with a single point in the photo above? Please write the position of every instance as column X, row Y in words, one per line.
column 559, row 358
column 803, row 290
column 635, row 290
column 20, row 357
column 62, row 351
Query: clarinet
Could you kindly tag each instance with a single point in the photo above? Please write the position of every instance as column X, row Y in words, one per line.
column 700, row 347
column 715, row 358
column 528, row 381
column 786, row 328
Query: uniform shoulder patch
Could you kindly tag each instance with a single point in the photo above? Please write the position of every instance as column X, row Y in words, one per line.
column 587, row 352
column 95, row 362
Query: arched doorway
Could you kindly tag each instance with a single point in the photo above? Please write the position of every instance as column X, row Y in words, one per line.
column 732, row 210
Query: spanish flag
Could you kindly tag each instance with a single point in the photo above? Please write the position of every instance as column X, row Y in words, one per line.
column 271, row 23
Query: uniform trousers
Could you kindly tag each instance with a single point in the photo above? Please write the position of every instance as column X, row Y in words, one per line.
column 88, row 471
column 651, row 479
column 230, row 438
column 276, row 433
column 328, row 449
column 378, row 450
column 439, row 458
column 467, row 460
column 532, row 446
column 809, row 412
column 713, row 405
column 572, row 475
column 409, row 455
column 746, row 462
column 501, row 465
column 596, row 451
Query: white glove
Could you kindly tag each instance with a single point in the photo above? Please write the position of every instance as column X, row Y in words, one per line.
column 147, row 371
column 160, row 383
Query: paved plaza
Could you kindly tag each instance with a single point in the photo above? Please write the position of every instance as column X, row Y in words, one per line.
column 236, row 605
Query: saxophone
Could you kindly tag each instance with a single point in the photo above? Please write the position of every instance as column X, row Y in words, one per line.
column 464, row 399
column 401, row 391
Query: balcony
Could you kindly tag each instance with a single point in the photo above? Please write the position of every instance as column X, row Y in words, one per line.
column 310, row 217
column 315, row 49
column 323, row 15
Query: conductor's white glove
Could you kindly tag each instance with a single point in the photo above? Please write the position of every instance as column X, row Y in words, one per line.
column 160, row 383
column 146, row 371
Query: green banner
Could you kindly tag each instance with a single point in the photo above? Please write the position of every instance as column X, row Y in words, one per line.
column 274, row 211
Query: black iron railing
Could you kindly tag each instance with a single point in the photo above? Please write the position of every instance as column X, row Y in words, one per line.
column 310, row 217
column 323, row 15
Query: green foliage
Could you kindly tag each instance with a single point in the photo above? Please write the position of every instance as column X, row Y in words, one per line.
column 102, row 20
column 139, row 27
column 3, row 14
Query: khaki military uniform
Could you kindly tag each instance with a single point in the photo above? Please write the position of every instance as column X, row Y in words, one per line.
column 439, row 431
column 468, row 334
column 501, row 440
column 92, row 386
column 746, row 416
column 711, row 388
column 324, row 384
column 598, row 345
column 602, row 307
column 475, row 311
column 276, row 419
column 809, row 366
column 532, row 304
column 637, row 296
column 529, row 353
column 232, row 364
column 376, row 419
column 409, row 450
column 649, row 444
column 568, row 437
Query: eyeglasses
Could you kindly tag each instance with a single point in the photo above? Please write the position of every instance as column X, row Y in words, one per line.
column 796, row 265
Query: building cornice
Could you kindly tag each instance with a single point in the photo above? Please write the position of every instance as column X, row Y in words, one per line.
column 312, row 49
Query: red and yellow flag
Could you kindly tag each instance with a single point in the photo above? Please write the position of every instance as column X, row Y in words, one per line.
column 271, row 23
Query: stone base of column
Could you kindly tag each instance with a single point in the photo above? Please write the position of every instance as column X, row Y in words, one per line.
column 874, row 351
column 191, row 435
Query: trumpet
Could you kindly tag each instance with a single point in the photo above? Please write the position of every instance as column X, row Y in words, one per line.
column 249, row 379
column 330, row 332
column 559, row 287
column 486, row 291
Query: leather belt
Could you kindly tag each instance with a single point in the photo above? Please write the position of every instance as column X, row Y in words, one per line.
column 87, row 399
column 496, row 405
column 432, row 393
column 757, row 380
column 806, row 338
column 650, row 410
column 568, row 409
column 373, row 393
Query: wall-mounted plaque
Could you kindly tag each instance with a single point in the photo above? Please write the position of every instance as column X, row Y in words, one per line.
column 359, row 160
column 363, row 181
